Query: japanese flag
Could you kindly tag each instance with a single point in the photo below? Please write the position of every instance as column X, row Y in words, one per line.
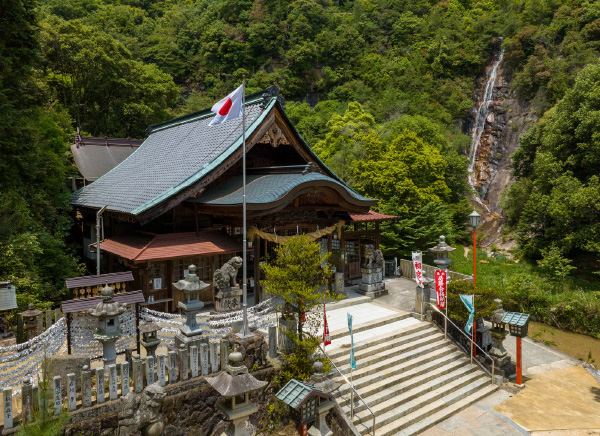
column 228, row 108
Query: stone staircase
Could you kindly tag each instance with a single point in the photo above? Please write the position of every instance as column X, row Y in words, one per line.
column 411, row 377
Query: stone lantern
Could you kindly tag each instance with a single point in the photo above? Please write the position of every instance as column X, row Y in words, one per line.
column 498, row 333
column 150, row 340
column 190, row 334
column 109, row 331
column 236, row 384
column 30, row 320
column 442, row 252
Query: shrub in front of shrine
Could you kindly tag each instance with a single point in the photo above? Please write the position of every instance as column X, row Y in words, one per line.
column 299, row 275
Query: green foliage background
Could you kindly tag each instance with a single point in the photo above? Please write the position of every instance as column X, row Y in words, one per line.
column 380, row 88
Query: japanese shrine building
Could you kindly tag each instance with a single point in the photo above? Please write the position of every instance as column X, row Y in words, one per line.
column 177, row 200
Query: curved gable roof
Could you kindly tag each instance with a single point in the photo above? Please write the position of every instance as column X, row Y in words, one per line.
column 176, row 155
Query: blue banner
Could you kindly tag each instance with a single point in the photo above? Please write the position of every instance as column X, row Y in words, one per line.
column 468, row 302
column 352, row 361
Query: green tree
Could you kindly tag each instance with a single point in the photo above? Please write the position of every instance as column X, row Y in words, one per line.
column 299, row 275
column 104, row 89
column 556, row 198
column 34, row 164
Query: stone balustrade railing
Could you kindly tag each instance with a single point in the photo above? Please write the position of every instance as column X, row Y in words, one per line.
column 408, row 271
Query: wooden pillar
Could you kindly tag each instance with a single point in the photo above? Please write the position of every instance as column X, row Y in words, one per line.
column 137, row 327
column 329, row 250
column 168, row 282
column 257, row 290
column 343, row 250
column 377, row 236
column 68, row 333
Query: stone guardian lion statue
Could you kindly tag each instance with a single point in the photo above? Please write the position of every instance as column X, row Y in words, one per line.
column 224, row 277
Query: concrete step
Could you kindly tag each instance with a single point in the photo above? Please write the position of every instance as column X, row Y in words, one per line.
column 357, row 328
column 393, row 345
column 342, row 350
column 411, row 386
column 394, row 416
column 389, row 357
column 402, row 372
column 447, row 412
column 405, row 403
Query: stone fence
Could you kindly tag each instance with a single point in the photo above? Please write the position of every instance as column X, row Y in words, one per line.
column 408, row 271
column 93, row 391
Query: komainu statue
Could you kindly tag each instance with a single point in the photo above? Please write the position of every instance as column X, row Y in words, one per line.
column 224, row 277
column 145, row 420
column 373, row 257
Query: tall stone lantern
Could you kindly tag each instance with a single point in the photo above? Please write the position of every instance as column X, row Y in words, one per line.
column 498, row 333
column 190, row 334
column 236, row 384
column 109, row 331
column 442, row 252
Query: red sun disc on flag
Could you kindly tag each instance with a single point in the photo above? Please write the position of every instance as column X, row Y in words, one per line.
column 226, row 107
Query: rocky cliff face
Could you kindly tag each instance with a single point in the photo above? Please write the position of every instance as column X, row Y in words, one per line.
column 506, row 121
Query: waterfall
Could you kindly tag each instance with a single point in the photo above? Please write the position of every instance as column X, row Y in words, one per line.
column 479, row 125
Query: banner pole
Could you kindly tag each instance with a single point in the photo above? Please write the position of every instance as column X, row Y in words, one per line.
column 245, row 330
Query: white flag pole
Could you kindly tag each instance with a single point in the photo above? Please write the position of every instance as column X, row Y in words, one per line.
column 245, row 330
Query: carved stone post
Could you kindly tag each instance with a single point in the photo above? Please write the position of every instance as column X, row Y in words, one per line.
column 172, row 367
column 8, row 407
column 100, row 393
column 86, row 387
column 57, row 395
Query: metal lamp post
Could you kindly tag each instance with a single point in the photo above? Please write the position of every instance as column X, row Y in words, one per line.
column 474, row 221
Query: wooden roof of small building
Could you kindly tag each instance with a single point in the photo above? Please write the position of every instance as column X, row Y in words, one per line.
column 8, row 296
column 141, row 247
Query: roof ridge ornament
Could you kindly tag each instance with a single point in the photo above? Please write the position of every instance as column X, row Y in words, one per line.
column 269, row 93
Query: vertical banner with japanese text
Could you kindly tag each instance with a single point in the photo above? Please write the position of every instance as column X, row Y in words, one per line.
column 440, row 289
column 417, row 258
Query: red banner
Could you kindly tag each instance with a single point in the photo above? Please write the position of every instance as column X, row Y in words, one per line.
column 326, row 337
column 440, row 289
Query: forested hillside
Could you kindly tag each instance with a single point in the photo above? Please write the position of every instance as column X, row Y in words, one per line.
column 381, row 89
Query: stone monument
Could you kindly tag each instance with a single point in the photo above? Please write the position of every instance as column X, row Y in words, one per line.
column 227, row 292
column 372, row 273
column 107, row 312
column 236, row 384
column 190, row 334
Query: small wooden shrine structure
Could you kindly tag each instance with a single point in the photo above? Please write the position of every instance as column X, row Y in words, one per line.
column 177, row 201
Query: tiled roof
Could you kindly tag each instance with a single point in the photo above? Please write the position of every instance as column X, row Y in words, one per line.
column 371, row 216
column 144, row 247
column 95, row 157
column 8, row 297
column 102, row 279
column 295, row 392
column 84, row 304
column 268, row 188
column 173, row 157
